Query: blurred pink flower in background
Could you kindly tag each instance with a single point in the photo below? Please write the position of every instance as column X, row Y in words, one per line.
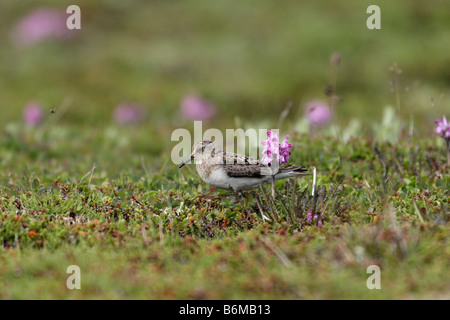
column 33, row 114
column 443, row 128
column 41, row 24
column 196, row 108
column 318, row 113
column 126, row 113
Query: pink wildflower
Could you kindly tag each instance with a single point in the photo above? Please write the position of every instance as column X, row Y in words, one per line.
column 273, row 148
column 41, row 24
column 33, row 114
column 318, row 113
column 196, row 108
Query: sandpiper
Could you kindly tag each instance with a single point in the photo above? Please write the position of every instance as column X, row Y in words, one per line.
column 227, row 170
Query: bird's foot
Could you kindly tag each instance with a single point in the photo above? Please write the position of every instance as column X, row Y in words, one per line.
column 207, row 195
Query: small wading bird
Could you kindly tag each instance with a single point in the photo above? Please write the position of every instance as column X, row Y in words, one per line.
column 227, row 170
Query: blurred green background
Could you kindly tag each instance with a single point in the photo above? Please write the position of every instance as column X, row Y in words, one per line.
column 250, row 58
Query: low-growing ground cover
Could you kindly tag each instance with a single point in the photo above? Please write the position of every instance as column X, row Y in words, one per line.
column 148, row 233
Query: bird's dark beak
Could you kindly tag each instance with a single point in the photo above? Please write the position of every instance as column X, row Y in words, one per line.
column 185, row 161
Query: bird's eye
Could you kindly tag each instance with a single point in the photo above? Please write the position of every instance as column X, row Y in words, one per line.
column 201, row 149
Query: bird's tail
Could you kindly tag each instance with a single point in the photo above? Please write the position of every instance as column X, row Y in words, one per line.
column 291, row 171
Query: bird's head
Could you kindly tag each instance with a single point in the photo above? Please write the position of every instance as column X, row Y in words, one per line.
column 199, row 149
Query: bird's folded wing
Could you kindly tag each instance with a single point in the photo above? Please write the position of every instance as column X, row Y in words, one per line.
column 237, row 165
column 244, row 170
column 259, row 170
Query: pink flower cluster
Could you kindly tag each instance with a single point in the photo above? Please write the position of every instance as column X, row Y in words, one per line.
column 443, row 128
column 272, row 147
column 310, row 218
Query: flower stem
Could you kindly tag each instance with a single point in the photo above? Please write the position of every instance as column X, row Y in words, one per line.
column 448, row 152
column 273, row 186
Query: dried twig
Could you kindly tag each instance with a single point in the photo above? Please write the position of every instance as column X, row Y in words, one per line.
column 280, row 254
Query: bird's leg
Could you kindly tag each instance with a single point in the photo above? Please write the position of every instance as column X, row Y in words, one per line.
column 238, row 195
column 247, row 198
column 207, row 194
column 212, row 189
